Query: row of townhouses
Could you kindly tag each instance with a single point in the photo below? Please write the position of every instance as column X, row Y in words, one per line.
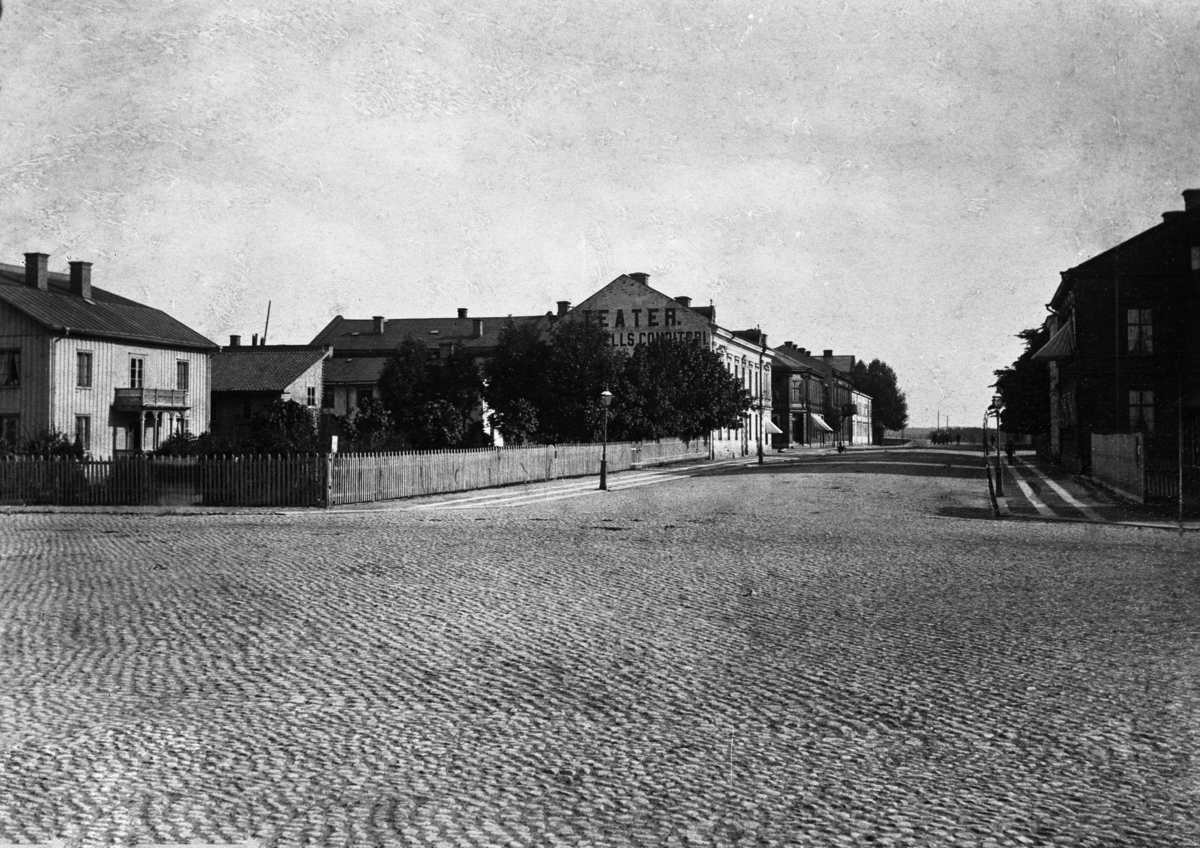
column 121, row 377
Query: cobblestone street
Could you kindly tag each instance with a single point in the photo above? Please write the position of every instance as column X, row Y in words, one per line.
column 797, row 654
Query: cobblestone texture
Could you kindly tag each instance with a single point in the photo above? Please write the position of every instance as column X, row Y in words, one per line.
column 851, row 655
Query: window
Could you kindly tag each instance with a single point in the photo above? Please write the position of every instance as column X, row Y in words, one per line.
column 1141, row 411
column 312, row 395
column 181, row 376
column 1139, row 330
column 137, row 372
column 83, row 369
column 10, row 367
column 83, row 431
column 10, row 429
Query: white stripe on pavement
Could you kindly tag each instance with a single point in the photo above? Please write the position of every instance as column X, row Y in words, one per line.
column 1027, row 491
column 1066, row 496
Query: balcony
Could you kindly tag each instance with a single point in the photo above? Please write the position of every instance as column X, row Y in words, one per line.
column 139, row 399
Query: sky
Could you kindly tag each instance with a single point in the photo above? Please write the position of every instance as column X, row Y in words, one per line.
column 894, row 180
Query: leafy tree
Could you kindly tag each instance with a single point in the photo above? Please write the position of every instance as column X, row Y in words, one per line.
column 1025, row 387
column 283, row 427
column 372, row 424
column 432, row 403
column 674, row 387
column 889, row 406
column 547, row 388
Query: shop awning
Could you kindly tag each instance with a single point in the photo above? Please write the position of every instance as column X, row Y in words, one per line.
column 771, row 429
column 1061, row 344
column 820, row 422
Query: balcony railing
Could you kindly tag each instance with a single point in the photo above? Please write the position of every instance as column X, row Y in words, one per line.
column 151, row 399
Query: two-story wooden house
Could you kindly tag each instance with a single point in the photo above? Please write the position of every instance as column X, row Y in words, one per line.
column 116, row 375
column 1124, row 352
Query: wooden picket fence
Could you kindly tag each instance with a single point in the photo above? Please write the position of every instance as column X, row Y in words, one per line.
column 313, row 480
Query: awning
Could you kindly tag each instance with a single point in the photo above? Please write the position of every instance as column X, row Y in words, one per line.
column 771, row 429
column 820, row 422
column 1061, row 344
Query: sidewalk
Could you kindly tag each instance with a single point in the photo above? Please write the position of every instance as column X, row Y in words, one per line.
column 1036, row 489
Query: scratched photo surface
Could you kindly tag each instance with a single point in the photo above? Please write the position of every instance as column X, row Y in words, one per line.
column 904, row 180
column 842, row 651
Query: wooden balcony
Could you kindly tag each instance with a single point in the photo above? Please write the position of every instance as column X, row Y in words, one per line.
column 139, row 399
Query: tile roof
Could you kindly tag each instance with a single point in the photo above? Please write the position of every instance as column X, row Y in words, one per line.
column 364, row 369
column 261, row 369
column 358, row 334
column 103, row 315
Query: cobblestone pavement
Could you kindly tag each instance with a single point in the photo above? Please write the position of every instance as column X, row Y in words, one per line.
column 848, row 652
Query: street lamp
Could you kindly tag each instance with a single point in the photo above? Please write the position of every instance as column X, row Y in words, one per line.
column 997, row 405
column 605, row 399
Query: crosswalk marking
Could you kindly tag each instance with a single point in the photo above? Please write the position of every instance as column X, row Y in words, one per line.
column 1027, row 491
column 1090, row 513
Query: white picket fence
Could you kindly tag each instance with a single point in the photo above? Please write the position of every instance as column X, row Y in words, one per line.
column 314, row 480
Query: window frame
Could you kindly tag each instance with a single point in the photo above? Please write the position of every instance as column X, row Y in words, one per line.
column 183, row 375
column 10, row 434
column 10, row 368
column 137, row 372
column 310, row 396
column 84, row 438
column 1141, row 400
column 1139, row 332
column 84, row 379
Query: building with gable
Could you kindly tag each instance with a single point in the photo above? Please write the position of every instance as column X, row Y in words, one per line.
column 1124, row 350
column 633, row 313
column 247, row 380
column 809, row 385
column 116, row 375
column 361, row 347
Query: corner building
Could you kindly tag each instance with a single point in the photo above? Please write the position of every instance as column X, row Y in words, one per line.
column 633, row 314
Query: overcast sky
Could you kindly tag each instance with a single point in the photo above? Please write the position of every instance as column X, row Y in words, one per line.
column 902, row 181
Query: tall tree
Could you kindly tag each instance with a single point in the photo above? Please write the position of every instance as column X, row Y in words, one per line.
column 674, row 387
column 889, row 406
column 433, row 403
column 1025, row 387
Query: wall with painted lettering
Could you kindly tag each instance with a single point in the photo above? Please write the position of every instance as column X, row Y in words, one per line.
column 633, row 313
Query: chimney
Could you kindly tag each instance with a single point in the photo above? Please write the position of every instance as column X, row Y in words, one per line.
column 380, row 321
column 462, row 313
column 1191, row 199
column 476, row 327
column 564, row 306
column 827, row 354
column 1173, row 215
column 235, row 341
column 254, row 340
column 639, row 276
column 35, row 271
column 788, row 344
column 684, row 300
column 81, row 278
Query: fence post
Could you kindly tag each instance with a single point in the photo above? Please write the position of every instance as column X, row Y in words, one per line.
column 328, row 480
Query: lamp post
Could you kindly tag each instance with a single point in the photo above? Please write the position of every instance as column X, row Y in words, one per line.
column 605, row 399
column 997, row 404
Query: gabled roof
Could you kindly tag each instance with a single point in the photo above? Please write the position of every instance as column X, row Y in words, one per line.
column 782, row 360
column 103, row 315
column 365, row 369
column 358, row 334
column 1149, row 252
column 262, row 368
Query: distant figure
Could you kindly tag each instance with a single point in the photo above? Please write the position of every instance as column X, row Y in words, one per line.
column 958, row 437
column 841, row 447
column 1011, row 451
